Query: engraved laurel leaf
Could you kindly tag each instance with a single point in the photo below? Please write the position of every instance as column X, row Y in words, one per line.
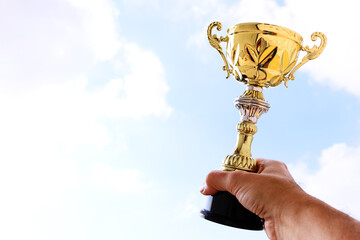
column 252, row 53
column 291, row 66
column 267, row 55
column 275, row 80
column 284, row 61
column 256, row 73
column 293, row 54
column 261, row 44
column 261, row 74
column 284, row 67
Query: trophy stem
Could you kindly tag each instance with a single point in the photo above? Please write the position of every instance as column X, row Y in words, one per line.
column 251, row 105
column 241, row 159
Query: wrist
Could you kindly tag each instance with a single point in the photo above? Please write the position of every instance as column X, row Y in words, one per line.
column 296, row 208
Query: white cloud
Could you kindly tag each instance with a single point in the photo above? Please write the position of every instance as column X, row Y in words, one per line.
column 55, row 114
column 42, row 42
column 66, row 41
column 45, row 61
column 48, row 109
column 99, row 23
column 152, row 5
column 337, row 181
column 139, row 93
column 35, row 176
column 39, row 130
column 120, row 180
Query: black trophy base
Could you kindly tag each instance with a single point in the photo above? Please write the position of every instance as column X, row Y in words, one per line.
column 225, row 209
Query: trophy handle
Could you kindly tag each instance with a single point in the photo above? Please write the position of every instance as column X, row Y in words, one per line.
column 312, row 53
column 215, row 43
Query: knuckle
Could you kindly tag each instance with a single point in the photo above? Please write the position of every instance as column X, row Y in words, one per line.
column 211, row 177
column 283, row 165
column 234, row 181
column 279, row 164
column 233, row 177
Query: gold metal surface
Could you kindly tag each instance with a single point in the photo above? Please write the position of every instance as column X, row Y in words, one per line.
column 241, row 159
column 215, row 43
column 253, row 94
column 312, row 53
column 259, row 55
column 251, row 105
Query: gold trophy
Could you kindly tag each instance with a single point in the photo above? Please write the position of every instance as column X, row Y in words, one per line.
column 258, row 55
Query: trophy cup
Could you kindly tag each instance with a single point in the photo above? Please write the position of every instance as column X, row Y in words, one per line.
column 258, row 55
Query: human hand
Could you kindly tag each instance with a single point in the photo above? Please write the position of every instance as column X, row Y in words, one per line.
column 268, row 193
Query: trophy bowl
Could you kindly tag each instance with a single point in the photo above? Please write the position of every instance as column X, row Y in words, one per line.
column 261, row 54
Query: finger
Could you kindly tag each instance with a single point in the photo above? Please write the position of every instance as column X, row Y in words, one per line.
column 225, row 181
column 210, row 186
column 260, row 164
column 271, row 167
column 208, row 190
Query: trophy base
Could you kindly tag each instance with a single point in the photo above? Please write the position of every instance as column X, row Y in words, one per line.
column 225, row 209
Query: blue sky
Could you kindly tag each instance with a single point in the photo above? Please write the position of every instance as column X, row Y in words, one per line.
column 113, row 112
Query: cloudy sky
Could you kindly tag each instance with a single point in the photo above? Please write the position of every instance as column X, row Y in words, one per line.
column 113, row 112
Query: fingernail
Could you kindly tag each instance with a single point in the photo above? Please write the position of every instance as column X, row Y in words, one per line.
column 202, row 188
